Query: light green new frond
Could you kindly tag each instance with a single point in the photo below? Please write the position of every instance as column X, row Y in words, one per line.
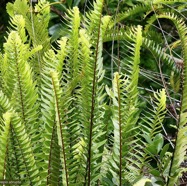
column 136, row 60
column 105, row 24
column 20, row 7
column 21, row 90
column 9, row 60
column 27, row 157
column 36, row 23
column 15, row 52
column 25, row 160
column 131, row 62
column 73, row 42
column 18, row 23
column 61, row 55
column 4, row 141
column 93, row 19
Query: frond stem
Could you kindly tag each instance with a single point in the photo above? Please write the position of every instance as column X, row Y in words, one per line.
column 120, row 136
column 61, row 133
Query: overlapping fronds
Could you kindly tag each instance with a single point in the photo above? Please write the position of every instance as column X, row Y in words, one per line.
column 93, row 99
column 180, row 148
column 60, row 124
column 151, row 125
column 125, row 101
column 36, row 21
column 155, row 48
column 53, row 106
column 51, row 155
column 18, row 83
column 23, row 153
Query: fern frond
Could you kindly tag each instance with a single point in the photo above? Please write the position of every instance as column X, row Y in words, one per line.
column 18, row 23
column 23, row 149
column 1, row 64
column 61, row 55
column 36, row 23
column 125, row 100
column 60, row 128
column 26, row 152
column 92, row 96
column 73, row 42
column 136, row 10
column 152, row 46
column 49, row 130
column 4, row 140
column 21, row 90
column 150, row 129
column 180, row 148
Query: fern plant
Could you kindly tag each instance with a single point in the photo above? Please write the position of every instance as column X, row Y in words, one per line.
column 59, row 122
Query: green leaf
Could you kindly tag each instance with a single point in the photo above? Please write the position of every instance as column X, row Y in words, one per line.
column 164, row 150
column 142, row 182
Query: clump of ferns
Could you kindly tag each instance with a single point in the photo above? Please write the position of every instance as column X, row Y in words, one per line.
column 52, row 101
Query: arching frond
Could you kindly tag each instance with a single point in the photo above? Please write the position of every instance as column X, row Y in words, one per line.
column 155, row 49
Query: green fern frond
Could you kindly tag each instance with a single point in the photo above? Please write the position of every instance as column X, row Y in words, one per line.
column 61, row 56
column 180, row 147
column 152, row 46
column 60, row 128
column 125, row 100
column 73, row 42
column 4, row 140
column 1, row 64
column 18, row 23
column 92, row 92
column 52, row 165
column 26, row 153
column 136, row 10
column 23, row 149
column 15, row 52
column 36, row 23
column 21, row 88
column 160, row 53
column 105, row 24
column 151, row 127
